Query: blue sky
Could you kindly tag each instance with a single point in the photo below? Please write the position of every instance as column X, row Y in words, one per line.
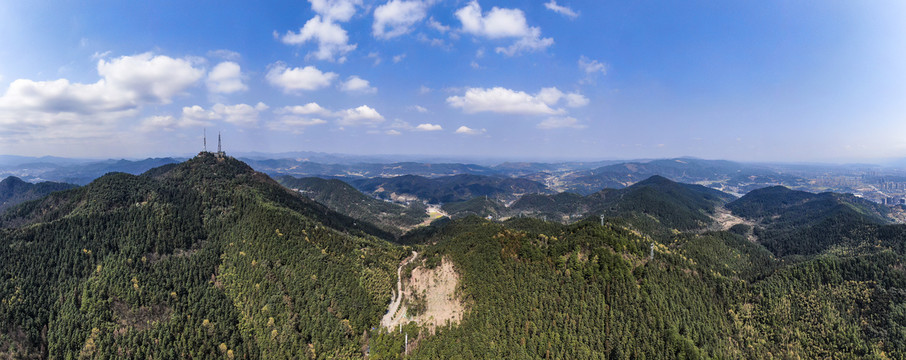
column 564, row 79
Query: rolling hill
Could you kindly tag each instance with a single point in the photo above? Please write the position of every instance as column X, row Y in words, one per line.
column 14, row 191
column 447, row 189
column 793, row 222
column 343, row 198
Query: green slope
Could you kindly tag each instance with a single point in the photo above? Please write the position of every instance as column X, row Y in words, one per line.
column 792, row 222
column 204, row 259
column 345, row 199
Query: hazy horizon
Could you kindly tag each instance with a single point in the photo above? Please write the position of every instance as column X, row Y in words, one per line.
column 752, row 82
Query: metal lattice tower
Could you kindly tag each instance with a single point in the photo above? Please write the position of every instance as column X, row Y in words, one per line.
column 219, row 150
column 205, row 140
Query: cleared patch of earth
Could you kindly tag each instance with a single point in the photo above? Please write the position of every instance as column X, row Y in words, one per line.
column 429, row 298
column 725, row 220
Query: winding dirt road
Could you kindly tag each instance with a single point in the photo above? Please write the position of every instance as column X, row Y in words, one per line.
column 394, row 306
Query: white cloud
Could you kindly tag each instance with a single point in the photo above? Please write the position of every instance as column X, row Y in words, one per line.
column 576, row 100
column 333, row 41
column 428, row 127
column 225, row 54
column 564, row 10
column 149, row 78
column 424, row 90
column 502, row 24
column 196, row 116
column 362, row 115
column 154, row 123
column 339, row 10
column 392, row 132
column 240, row 114
column 399, row 58
column 100, row 55
column 465, row 130
column 294, row 124
column 307, row 109
column 357, row 84
column 506, row 101
column 434, row 24
column 60, row 109
column 225, row 78
column 560, row 122
column 419, row 108
column 591, row 66
column 552, row 96
column 396, row 17
column 293, row 79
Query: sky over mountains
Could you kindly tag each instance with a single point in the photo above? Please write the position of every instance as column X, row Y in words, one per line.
column 546, row 79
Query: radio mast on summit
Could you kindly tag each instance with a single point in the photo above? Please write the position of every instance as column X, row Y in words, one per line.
column 205, row 140
column 219, row 151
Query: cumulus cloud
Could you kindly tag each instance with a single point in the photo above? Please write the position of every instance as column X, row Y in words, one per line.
column 149, row 78
column 552, row 96
column 502, row 24
column 560, row 122
column 29, row 108
column 197, row 116
column 307, row 109
column 506, row 101
column 295, row 79
column 419, row 108
column 225, row 78
column 339, row 10
column 323, row 29
column 333, row 41
column 362, row 115
column 465, row 130
column 240, row 114
column 357, row 84
column 428, row 127
column 396, row 17
column 392, row 132
column 160, row 122
column 293, row 123
column 563, row 10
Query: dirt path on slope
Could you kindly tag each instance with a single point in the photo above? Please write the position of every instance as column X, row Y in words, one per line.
column 394, row 306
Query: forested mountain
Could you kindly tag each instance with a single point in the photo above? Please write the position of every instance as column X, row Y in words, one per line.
column 673, row 205
column 797, row 222
column 14, row 191
column 204, row 259
column 343, row 198
column 448, row 188
column 210, row 259
column 544, row 290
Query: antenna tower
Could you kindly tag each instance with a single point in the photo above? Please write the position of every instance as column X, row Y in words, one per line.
column 219, row 151
column 205, row 140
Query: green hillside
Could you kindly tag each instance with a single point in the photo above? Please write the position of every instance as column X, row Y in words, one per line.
column 657, row 199
column 543, row 290
column 205, row 259
column 343, row 198
column 15, row 191
column 797, row 222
